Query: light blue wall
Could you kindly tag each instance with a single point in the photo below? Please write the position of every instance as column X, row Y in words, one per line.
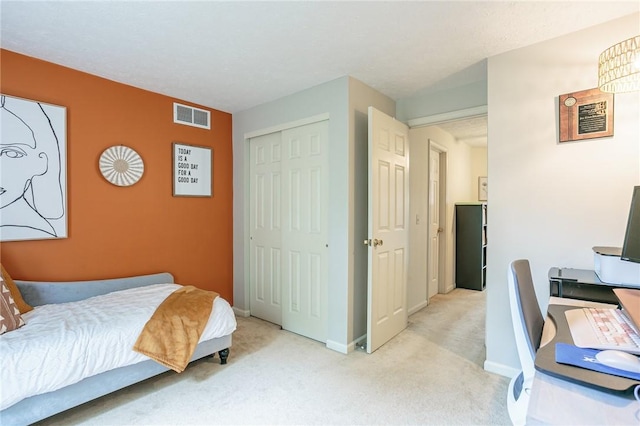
column 331, row 98
column 527, row 168
column 440, row 101
column 344, row 100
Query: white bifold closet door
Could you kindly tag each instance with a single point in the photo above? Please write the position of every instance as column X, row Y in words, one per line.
column 289, row 238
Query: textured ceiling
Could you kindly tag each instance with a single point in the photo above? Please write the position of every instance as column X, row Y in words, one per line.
column 235, row 55
column 472, row 131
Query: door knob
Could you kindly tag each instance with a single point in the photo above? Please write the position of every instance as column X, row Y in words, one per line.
column 377, row 242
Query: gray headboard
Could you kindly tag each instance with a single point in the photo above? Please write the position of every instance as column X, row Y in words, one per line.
column 37, row 293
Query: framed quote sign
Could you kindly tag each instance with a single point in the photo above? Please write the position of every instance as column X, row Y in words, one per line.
column 192, row 170
column 586, row 114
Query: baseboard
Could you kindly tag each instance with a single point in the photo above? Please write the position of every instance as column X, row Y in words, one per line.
column 241, row 312
column 500, row 369
column 339, row 347
column 347, row 349
column 417, row 307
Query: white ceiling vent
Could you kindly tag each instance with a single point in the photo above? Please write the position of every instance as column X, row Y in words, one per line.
column 190, row 116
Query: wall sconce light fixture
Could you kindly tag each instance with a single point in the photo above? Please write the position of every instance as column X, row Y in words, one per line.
column 619, row 67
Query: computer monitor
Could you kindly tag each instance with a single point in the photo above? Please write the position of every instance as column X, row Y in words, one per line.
column 631, row 246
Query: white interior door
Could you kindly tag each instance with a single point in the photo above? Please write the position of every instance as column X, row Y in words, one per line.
column 388, row 228
column 266, row 229
column 305, row 234
column 435, row 229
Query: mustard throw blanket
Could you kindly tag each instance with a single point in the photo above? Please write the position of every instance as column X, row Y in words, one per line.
column 173, row 332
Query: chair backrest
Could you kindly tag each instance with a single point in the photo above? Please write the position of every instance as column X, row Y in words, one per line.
column 526, row 316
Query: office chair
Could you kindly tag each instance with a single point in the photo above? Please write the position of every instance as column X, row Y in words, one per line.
column 527, row 322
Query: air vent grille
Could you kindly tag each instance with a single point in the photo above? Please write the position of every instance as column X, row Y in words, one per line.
column 190, row 116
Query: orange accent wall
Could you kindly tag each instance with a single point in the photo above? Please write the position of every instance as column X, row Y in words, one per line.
column 122, row 231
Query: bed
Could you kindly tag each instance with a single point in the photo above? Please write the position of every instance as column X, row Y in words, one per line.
column 27, row 397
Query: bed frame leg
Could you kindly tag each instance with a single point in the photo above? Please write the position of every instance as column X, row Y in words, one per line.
column 224, row 354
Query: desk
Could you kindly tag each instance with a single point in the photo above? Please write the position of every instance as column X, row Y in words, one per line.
column 582, row 284
column 560, row 402
column 557, row 401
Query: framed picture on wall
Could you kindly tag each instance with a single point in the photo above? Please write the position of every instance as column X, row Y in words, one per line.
column 586, row 114
column 483, row 188
column 192, row 170
column 33, row 170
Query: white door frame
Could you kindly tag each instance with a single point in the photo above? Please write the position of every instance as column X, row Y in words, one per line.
column 442, row 241
column 460, row 114
column 434, row 120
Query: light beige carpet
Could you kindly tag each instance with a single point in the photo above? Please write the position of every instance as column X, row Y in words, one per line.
column 431, row 373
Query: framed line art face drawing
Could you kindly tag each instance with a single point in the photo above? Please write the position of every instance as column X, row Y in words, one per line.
column 33, row 170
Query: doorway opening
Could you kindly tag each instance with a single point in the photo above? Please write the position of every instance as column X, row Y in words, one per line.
column 452, row 151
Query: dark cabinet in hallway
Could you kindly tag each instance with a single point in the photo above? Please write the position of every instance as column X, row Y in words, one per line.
column 471, row 245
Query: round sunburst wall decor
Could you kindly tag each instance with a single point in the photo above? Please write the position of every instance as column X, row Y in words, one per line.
column 121, row 165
